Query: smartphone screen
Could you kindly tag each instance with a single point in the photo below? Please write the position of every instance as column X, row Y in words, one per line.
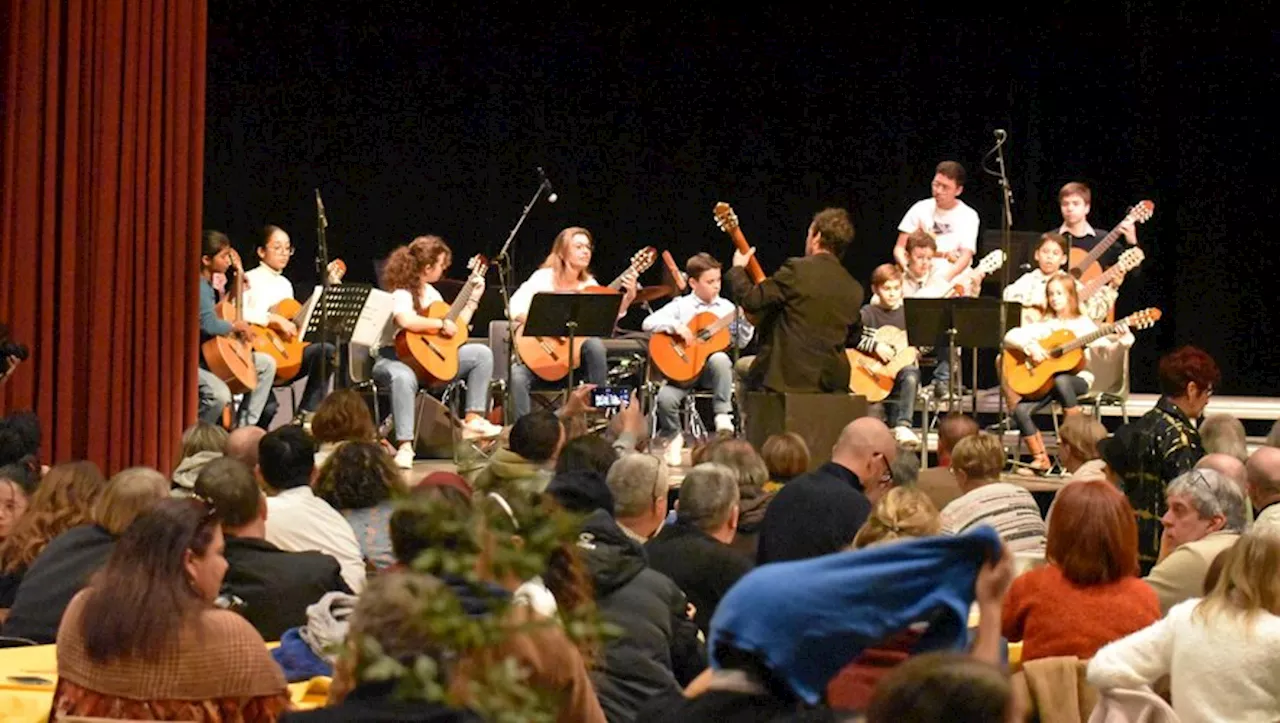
column 611, row 397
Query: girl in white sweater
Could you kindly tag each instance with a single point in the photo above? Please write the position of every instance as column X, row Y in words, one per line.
column 1222, row 653
column 1063, row 314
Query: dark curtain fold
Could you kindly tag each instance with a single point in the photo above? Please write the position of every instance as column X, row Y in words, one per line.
column 102, row 179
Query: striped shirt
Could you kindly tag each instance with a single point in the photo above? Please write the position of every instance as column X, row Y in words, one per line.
column 1008, row 508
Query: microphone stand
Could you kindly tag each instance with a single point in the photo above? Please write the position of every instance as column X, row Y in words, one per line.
column 506, row 273
column 1006, row 243
column 322, row 267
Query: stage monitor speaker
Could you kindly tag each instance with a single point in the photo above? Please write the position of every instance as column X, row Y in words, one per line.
column 819, row 418
column 434, row 427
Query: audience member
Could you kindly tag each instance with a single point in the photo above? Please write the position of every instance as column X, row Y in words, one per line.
column 1010, row 509
column 201, row 442
column 639, row 484
column 20, row 439
column 66, row 564
column 694, row 552
column 144, row 640
column 525, row 463
column 786, row 456
column 1273, row 437
column 586, row 453
column 1149, row 452
column 753, row 475
column 64, row 500
column 946, row 687
column 275, row 586
column 298, row 520
column 1234, row 470
column 362, row 481
column 1221, row 653
column 18, row 483
column 1264, row 489
column 1224, row 434
column 1089, row 593
column 903, row 513
column 581, row 468
column 1078, row 439
column 820, row 512
column 905, row 469
column 343, row 416
column 1205, row 517
column 938, row 482
column 242, row 444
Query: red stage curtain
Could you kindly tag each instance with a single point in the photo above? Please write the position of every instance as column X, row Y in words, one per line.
column 100, row 202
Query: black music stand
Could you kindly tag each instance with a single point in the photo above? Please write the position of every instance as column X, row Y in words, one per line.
column 966, row 322
column 336, row 313
column 572, row 315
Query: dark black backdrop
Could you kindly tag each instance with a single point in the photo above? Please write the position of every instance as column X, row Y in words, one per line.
column 414, row 119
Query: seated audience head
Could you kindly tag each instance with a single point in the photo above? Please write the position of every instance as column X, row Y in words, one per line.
column 203, row 437
column 359, row 475
column 1093, row 538
column 709, row 500
column 1224, row 434
column 64, row 499
column 413, row 523
column 537, row 437
column 343, row 416
column 1273, row 437
column 128, row 494
column 1078, row 440
column 1247, row 581
column 1187, row 377
column 19, row 438
column 287, row 458
column 945, row 687
column 785, row 456
column 18, row 482
column 233, row 491
column 581, row 492
column 1227, row 465
column 831, row 231
column 866, row 447
column 166, row 567
column 639, row 485
column 242, row 444
column 952, row 429
column 1201, row 502
column 905, row 469
column 1262, row 474
column 977, row 460
column 921, row 248
column 739, row 456
column 903, row 512
column 587, row 453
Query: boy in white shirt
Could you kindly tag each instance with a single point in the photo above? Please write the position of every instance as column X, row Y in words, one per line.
column 951, row 222
column 717, row 375
column 1029, row 289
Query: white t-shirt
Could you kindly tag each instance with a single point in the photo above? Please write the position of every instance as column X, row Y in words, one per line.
column 955, row 228
column 402, row 303
column 542, row 281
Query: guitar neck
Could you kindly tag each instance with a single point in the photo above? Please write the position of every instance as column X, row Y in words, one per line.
column 459, row 303
column 720, row 324
column 1087, row 339
column 1100, row 249
column 1107, row 277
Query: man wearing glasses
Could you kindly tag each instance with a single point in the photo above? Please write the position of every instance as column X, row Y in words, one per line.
column 267, row 287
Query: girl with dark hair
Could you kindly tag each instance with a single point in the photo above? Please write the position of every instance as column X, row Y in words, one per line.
column 362, row 482
column 145, row 641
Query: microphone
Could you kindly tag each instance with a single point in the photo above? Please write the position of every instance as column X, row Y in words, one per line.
column 1001, row 135
column 324, row 222
column 551, row 191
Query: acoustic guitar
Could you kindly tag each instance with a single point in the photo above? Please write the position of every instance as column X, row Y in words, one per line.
column 1065, row 354
column 1128, row 261
column 431, row 355
column 230, row 357
column 682, row 362
column 872, row 377
column 960, row 285
column 727, row 220
column 548, row 356
column 288, row 351
column 1085, row 266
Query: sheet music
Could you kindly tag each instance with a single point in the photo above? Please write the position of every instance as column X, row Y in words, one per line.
column 374, row 318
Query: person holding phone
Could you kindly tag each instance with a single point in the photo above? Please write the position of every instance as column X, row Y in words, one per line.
column 674, row 318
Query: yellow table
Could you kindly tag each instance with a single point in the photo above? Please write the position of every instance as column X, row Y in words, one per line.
column 28, row 676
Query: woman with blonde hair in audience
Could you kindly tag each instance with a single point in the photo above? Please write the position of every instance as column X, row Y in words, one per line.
column 64, row 499
column 343, row 416
column 1089, row 593
column 1221, row 653
column 362, row 481
column 145, row 641
column 63, row 568
column 1224, row 434
column 976, row 463
column 753, row 500
column 201, row 442
column 1078, row 438
column 786, row 456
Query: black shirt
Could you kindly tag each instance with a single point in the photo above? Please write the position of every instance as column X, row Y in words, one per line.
column 277, row 586
column 815, row 514
column 704, row 567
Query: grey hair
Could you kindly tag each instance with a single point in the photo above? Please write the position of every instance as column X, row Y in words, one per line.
column 707, row 495
column 636, row 481
column 1211, row 493
column 1273, row 437
column 905, row 468
column 1224, row 434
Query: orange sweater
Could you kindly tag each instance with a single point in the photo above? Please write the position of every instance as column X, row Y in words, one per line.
column 1053, row 616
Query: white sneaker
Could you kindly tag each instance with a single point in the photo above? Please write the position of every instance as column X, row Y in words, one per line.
column 905, row 437
column 404, row 456
column 724, row 423
column 675, row 451
column 479, row 427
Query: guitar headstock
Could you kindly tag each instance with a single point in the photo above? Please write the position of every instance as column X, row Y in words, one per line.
column 1143, row 319
column 337, row 269
column 643, row 259
column 478, row 264
column 991, row 262
column 1130, row 259
column 1142, row 211
column 726, row 219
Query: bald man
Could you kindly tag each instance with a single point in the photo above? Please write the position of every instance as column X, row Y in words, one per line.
column 1234, row 470
column 242, row 445
column 820, row 512
column 1262, row 473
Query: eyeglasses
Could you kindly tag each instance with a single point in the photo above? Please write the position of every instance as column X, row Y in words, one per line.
column 277, row 248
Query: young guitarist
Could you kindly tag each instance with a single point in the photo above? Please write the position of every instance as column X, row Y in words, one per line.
column 566, row 268
column 1050, row 256
column 1074, row 200
column 1101, row 361
column 216, row 256
column 409, row 274
column 268, row 286
column 952, row 223
column 704, row 278
column 805, row 311
column 885, row 309
column 925, row 277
